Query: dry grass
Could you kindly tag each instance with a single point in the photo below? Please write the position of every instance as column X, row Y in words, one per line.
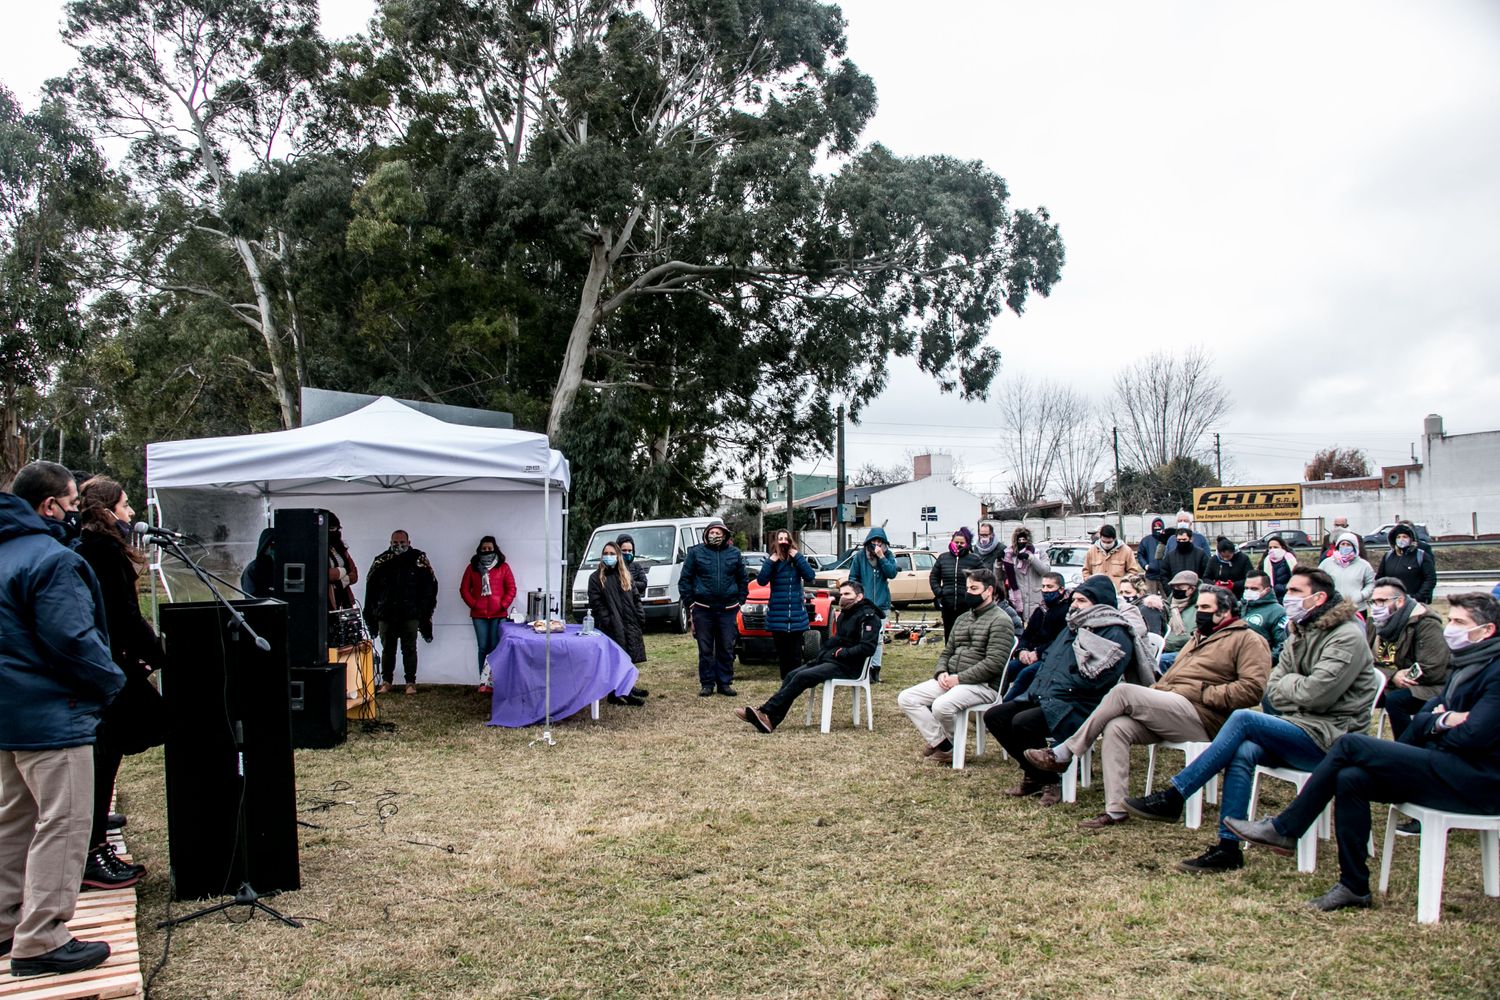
column 671, row 851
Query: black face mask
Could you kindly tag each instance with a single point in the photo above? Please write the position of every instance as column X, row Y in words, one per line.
column 72, row 523
column 1182, row 595
column 1205, row 622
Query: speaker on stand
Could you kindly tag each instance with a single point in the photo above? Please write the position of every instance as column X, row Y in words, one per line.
column 228, row 750
column 317, row 688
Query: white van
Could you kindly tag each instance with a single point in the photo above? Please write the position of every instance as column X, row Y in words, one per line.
column 660, row 546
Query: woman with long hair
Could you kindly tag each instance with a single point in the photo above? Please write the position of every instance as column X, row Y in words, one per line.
column 488, row 588
column 343, row 574
column 617, row 613
column 135, row 720
column 786, row 572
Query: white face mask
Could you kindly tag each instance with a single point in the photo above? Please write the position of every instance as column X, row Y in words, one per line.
column 1380, row 613
column 1457, row 637
column 1403, row 542
column 1251, row 596
column 1184, row 526
column 1297, row 609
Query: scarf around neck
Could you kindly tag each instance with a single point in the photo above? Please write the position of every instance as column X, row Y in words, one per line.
column 1396, row 622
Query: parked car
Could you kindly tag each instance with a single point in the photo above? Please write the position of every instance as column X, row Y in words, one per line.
column 1291, row 538
column 1382, row 539
column 1067, row 558
column 660, row 546
column 754, row 642
column 910, row 585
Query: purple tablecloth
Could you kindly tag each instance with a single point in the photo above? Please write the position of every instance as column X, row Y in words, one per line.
column 585, row 668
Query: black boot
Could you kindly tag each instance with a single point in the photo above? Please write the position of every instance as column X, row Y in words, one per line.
column 1225, row 856
column 1165, row 805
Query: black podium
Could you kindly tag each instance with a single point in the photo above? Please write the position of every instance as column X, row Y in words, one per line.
column 228, row 751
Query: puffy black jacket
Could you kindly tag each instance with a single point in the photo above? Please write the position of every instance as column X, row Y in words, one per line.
column 56, row 674
column 854, row 637
column 949, row 579
column 400, row 587
column 1415, row 567
column 712, row 577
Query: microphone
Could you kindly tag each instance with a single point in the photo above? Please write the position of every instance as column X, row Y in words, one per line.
column 264, row 645
column 142, row 528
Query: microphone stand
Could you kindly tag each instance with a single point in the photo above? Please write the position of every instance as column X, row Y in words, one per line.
column 246, row 894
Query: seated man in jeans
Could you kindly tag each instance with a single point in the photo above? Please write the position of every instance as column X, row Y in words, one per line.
column 1223, row 668
column 854, row 640
column 1448, row 758
column 968, row 671
column 1322, row 688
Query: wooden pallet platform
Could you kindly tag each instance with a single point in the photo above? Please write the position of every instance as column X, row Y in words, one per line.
column 101, row 915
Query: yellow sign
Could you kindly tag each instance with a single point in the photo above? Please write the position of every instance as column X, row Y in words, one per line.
column 1248, row 503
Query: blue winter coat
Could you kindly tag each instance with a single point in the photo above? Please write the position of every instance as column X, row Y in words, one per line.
column 56, row 674
column 786, row 608
column 1065, row 696
column 1466, row 758
column 872, row 574
column 715, row 578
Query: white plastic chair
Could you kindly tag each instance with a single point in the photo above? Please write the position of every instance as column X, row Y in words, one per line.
column 1192, row 814
column 961, row 724
column 1157, row 643
column 1307, row 844
column 860, row 683
column 1080, row 772
column 1435, row 827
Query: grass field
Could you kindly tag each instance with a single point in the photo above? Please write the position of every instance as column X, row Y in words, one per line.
column 670, row 851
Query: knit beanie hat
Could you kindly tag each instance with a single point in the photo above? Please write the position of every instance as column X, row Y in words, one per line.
column 1100, row 589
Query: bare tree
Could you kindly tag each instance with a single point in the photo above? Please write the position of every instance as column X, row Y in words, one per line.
column 1084, row 440
column 1338, row 463
column 1164, row 404
column 1031, row 434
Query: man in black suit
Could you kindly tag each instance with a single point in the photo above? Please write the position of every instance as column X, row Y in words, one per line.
column 1448, row 758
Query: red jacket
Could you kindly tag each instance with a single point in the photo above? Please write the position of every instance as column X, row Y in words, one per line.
column 502, row 592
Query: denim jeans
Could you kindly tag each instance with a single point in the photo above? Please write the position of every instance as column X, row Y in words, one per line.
column 1247, row 739
column 486, row 637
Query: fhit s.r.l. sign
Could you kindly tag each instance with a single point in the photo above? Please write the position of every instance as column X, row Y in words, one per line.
column 1248, row 503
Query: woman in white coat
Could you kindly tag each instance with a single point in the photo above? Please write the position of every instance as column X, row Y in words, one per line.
column 1352, row 576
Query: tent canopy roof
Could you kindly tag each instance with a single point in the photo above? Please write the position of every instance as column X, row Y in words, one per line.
column 382, row 446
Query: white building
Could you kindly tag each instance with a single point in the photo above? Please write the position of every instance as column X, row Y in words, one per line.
column 1453, row 490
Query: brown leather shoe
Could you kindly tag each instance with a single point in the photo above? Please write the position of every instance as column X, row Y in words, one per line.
column 1103, row 820
column 1051, row 795
column 1028, row 786
column 1043, row 759
column 383, row 689
column 941, row 757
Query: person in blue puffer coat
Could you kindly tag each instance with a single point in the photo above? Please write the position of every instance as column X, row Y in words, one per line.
column 714, row 585
column 785, row 572
column 871, row 569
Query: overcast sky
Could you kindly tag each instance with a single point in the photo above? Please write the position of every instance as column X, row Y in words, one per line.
column 1310, row 189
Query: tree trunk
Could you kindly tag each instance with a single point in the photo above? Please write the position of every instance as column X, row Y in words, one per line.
column 571, row 376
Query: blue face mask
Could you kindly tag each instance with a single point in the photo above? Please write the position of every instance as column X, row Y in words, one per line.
column 610, row 561
column 1051, row 596
column 630, row 557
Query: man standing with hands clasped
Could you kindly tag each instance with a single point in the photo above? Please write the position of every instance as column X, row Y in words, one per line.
column 56, row 676
column 400, row 597
column 714, row 585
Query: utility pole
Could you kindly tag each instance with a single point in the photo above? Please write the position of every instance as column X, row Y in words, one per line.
column 789, row 499
column 1119, row 500
column 1218, row 458
column 842, row 534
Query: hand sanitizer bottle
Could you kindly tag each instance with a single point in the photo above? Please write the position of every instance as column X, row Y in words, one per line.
column 588, row 622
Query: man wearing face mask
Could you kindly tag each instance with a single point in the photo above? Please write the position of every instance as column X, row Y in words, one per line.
column 1408, row 562
column 56, row 677
column 1224, row 668
column 714, row 584
column 1448, row 759
column 1022, row 568
column 1109, row 556
column 968, row 671
column 1150, row 552
column 1407, row 639
column 986, row 546
column 1045, row 624
column 1182, row 592
column 1182, row 554
column 1351, row 575
column 1264, row 613
column 1322, row 687
column 871, row 569
column 400, row 597
column 842, row 655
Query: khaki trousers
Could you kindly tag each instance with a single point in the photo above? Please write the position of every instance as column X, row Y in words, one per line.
column 933, row 710
column 1130, row 715
column 46, row 810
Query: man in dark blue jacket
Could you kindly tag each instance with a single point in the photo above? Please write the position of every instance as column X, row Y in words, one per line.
column 1448, row 758
column 56, row 676
column 714, row 585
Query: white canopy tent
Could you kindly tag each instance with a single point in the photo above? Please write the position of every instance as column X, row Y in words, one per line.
column 383, row 467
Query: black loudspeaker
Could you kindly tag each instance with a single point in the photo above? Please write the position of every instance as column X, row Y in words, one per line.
column 302, row 582
column 318, row 706
column 228, row 751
